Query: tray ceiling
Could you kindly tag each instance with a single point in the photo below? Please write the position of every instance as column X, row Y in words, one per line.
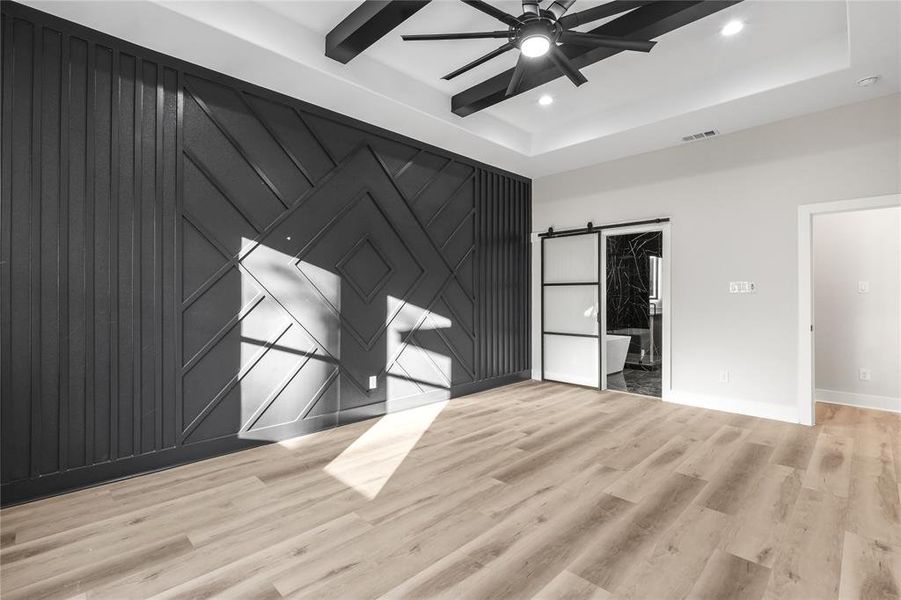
column 793, row 57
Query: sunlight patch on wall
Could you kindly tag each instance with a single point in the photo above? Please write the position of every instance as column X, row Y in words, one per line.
column 414, row 369
column 283, row 369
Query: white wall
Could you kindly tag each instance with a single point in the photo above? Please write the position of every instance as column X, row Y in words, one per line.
column 856, row 330
column 734, row 203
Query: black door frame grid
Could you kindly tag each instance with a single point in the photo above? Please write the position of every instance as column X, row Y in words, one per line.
column 590, row 229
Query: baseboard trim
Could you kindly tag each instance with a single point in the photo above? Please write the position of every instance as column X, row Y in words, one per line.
column 751, row 408
column 562, row 378
column 871, row 401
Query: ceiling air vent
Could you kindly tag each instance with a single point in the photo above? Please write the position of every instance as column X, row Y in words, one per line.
column 700, row 136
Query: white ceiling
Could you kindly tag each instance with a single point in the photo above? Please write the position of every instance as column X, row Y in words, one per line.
column 793, row 57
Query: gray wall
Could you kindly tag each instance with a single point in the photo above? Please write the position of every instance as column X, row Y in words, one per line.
column 733, row 203
column 192, row 265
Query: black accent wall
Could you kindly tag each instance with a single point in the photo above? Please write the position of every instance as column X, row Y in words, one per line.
column 192, row 265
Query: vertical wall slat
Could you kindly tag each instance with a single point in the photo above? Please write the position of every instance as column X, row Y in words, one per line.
column 73, row 253
column 498, row 289
column 46, row 156
column 158, row 224
column 115, row 91
column 88, row 440
column 507, row 256
column 34, row 254
column 62, row 258
column 179, row 249
column 169, row 266
column 100, row 176
column 148, row 256
column 136, row 254
column 7, row 418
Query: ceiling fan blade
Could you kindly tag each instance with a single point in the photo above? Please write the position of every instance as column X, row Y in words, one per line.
column 494, row 12
column 600, row 12
column 563, row 63
column 480, row 60
column 472, row 35
column 605, row 41
column 518, row 73
column 530, row 7
column 559, row 7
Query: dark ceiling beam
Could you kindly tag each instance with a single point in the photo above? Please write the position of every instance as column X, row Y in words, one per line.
column 366, row 25
column 645, row 23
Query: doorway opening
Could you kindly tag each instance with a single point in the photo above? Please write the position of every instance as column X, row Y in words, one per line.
column 808, row 215
column 605, row 307
column 633, row 307
column 856, row 310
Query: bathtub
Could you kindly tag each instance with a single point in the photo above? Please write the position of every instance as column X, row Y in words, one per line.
column 617, row 349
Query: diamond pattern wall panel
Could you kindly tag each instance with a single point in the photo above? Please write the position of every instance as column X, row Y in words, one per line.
column 192, row 265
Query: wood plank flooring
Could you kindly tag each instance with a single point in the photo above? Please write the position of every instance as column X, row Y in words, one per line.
column 535, row 490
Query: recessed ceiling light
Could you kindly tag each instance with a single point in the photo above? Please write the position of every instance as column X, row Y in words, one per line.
column 546, row 100
column 732, row 27
column 868, row 81
column 535, row 46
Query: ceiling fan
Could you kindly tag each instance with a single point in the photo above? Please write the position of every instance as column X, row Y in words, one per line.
column 538, row 31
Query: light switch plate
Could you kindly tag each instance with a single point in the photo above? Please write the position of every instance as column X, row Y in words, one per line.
column 742, row 287
column 373, row 382
column 863, row 287
column 863, row 374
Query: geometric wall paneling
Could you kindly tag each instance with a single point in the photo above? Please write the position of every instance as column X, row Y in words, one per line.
column 193, row 265
column 340, row 139
column 202, row 260
column 294, row 135
column 237, row 121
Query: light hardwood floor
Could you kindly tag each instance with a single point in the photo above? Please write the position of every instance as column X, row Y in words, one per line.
column 532, row 490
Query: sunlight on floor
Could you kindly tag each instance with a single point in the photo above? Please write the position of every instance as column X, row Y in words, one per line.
column 370, row 461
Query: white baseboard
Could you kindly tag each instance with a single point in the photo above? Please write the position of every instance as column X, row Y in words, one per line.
column 764, row 410
column 567, row 378
column 859, row 400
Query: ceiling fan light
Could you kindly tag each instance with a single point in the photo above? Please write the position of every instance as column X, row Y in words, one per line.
column 535, row 46
column 731, row 28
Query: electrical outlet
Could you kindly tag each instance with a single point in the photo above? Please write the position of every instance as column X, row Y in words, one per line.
column 863, row 287
column 863, row 374
column 724, row 376
column 373, row 382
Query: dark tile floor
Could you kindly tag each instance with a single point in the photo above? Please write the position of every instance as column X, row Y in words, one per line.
column 636, row 381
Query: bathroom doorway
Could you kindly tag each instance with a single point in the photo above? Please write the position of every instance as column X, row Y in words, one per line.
column 605, row 307
column 634, row 308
